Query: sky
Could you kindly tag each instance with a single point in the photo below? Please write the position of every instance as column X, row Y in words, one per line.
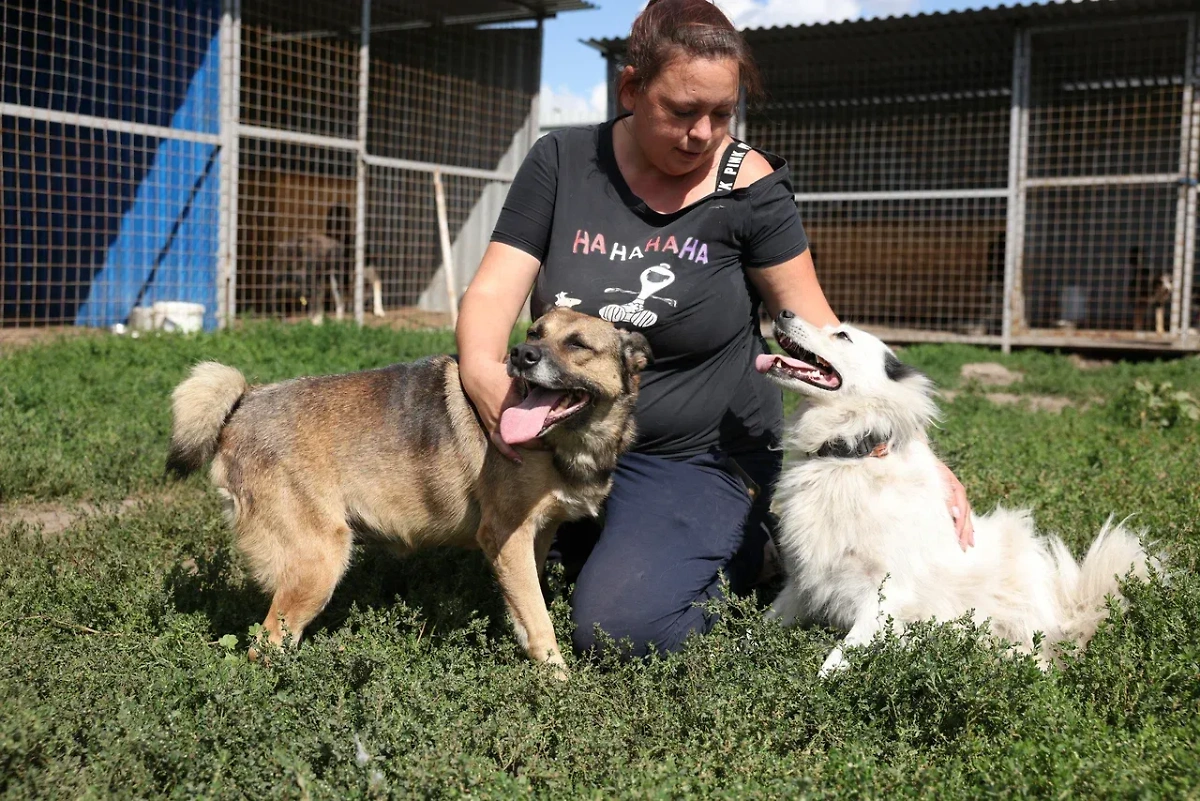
column 573, row 88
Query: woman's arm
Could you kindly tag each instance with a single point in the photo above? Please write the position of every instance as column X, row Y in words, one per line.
column 489, row 309
column 793, row 285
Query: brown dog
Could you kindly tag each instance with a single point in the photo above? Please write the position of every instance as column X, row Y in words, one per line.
column 1150, row 293
column 397, row 455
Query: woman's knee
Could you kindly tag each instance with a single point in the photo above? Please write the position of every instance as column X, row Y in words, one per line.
column 597, row 632
column 631, row 629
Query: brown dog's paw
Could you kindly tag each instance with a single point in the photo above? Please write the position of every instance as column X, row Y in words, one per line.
column 257, row 656
column 558, row 668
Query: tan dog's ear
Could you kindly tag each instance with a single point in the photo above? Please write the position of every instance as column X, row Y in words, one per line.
column 636, row 350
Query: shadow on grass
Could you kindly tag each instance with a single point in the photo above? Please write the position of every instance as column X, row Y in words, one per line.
column 447, row 588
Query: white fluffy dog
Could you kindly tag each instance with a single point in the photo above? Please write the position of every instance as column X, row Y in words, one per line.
column 864, row 531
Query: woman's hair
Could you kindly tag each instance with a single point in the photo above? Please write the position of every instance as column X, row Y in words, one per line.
column 670, row 29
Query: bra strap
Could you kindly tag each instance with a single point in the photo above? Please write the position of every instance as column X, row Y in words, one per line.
column 731, row 165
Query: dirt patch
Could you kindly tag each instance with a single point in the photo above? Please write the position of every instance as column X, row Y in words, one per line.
column 1081, row 363
column 405, row 319
column 55, row 517
column 13, row 338
column 1037, row 403
column 990, row 374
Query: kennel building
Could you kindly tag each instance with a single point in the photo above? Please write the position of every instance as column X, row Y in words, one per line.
column 1021, row 175
column 230, row 154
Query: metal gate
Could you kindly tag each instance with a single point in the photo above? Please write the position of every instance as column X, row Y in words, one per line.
column 1104, row 197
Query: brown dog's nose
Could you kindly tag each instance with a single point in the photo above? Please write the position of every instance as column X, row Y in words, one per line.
column 525, row 355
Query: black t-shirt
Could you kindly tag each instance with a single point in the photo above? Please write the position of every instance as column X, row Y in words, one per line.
column 677, row 278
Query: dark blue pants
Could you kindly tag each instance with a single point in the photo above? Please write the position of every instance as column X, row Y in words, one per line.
column 668, row 531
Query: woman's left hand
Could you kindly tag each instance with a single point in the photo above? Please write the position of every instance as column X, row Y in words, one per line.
column 960, row 508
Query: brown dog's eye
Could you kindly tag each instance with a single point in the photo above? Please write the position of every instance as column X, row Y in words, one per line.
column 575, row 343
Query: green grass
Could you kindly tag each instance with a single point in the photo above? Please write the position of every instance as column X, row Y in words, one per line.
column 122, row 669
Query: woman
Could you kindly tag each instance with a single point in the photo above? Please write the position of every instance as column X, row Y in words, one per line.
column 660, row 222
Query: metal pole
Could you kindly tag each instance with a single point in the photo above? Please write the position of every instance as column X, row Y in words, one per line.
column 227, row 230
column 122, row 126
column 439, row 196
column 534, row 129
column 235, row 85
column 360, row 200
column 1177, row 324
column 1191, row 114
column 1014, row 226
column 899, row 194
column 224, row 43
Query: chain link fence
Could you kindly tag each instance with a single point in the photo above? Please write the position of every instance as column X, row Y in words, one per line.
column 240, row 158
column 1009, row 176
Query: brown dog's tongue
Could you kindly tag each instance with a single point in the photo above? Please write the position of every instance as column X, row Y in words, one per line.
column 520, row 424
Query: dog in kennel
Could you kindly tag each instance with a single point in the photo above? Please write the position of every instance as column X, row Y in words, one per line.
column 312, row 270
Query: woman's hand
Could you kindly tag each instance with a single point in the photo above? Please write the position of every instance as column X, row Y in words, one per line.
column 489, row 309
column 492, row 391
column 960, row 508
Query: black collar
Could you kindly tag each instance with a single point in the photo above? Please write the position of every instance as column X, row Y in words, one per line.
column 864, row 447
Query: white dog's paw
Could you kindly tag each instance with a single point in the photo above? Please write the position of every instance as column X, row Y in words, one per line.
column 833, row 663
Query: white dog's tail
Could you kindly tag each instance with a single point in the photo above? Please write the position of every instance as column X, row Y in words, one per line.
column 200, row 407
column 1115, row 553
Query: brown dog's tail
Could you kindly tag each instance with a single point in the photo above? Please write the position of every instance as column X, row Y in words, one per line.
column 200, row 406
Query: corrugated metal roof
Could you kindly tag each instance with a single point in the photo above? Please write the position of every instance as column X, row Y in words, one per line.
column 1008, row 15
column 333, row 19
column 460, row 12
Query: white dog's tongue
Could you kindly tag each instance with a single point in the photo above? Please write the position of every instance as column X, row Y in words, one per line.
column 520, row 424
column 766, row 361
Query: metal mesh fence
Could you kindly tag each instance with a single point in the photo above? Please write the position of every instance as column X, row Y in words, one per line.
column 329, row 148
column 296, row 224
column 970, row 181
column 1106, row 171
column 921, row 264
column 108, row 144
column 986, row 183
column 253, row 157
column 899, row 147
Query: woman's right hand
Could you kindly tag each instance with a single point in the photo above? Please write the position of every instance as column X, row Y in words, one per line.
column 492, row 391
column 489, row 308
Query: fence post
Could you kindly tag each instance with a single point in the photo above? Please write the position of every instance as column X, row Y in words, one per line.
column 360, row 171
column 439, row 197
column 1014, row 213
column 229, row 103
column 1183, row 279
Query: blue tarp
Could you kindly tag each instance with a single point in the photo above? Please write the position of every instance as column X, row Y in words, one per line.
column 95, row 221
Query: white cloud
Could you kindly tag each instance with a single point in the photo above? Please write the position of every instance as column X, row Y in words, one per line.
column 561, row 106
column 768, row 13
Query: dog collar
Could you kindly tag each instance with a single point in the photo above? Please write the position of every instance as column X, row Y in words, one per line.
column 870, row 445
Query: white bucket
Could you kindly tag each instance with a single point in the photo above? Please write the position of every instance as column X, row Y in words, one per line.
column 174, row 315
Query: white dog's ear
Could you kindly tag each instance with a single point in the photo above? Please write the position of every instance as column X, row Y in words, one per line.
column 897, row 370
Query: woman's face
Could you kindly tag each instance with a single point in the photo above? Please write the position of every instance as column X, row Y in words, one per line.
column 682, row 117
